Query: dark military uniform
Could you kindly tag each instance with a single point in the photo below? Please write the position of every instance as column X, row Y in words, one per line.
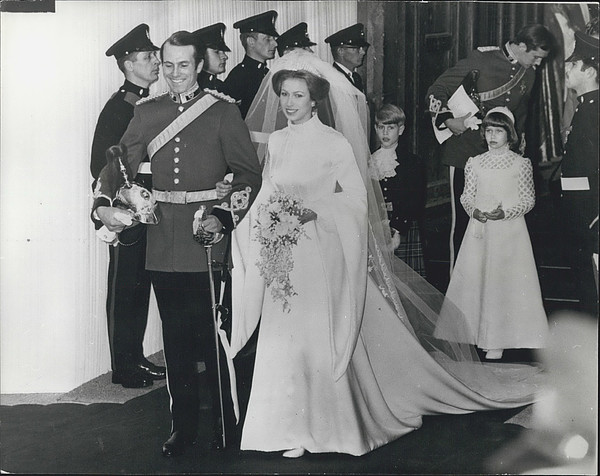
column 188, row 165
column 579, row 201
column 243, row 81
column 210, row 81
column 352, row 36
column 128, row 282
column 496, row 68
column 128, row 294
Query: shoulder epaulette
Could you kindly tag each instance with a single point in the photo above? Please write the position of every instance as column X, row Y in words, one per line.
column 485, row 49
column 221, row 96
column 154, row 97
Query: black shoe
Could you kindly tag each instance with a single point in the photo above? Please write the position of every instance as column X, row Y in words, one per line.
column 130, row 379
column 155, row 372
column 176, row 444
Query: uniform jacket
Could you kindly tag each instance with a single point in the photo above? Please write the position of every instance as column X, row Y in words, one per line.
column 496, row 68
column 210, row 81
column 406, row 191
column 581, row 157
column 196, row 158
column 244, row 80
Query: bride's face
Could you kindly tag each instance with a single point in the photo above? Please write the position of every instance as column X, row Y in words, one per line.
column 295, row 100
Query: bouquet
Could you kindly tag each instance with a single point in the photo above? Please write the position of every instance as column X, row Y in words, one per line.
column 278, row 230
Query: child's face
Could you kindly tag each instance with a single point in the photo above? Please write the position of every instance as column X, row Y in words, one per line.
column 388, row 134
column 496, row 137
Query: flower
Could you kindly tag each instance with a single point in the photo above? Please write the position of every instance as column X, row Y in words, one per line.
column 278, row 230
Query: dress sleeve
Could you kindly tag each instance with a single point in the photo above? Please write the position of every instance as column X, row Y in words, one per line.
column 526, row 192
column 467, row 199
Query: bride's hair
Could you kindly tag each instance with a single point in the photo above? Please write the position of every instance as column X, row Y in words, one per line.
column 318, row 87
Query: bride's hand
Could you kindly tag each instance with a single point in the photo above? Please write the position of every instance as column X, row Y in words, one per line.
column 307, row 216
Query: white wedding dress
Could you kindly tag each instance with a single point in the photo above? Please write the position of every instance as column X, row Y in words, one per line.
column 343, row 371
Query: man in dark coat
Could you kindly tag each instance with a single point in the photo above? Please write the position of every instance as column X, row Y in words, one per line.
column 128, row 293
column 215, row 58
column 506, row 76
column 349, row 48
column 192, row 139
column 259, row 39
column 579, row 178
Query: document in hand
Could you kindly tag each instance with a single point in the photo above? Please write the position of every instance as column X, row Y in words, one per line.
column 460, row 104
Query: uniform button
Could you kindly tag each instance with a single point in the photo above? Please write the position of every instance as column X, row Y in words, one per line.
column 507, row 99
column 177, row 139
column 176, row 160
column 180, row 108
column 176, row 170
column 512, row 75
column 508, row 93
column 176, row 149
column 385, row 188
column 176, row 181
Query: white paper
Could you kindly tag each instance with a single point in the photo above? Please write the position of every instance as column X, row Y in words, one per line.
column 574, row 183
column 460, row 104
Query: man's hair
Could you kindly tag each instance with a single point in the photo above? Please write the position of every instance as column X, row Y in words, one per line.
column 497, row 119
column 130, row 57
column 244, row 38
column 588, row 63
column 335, row 51
column 318, row 87
column 535, row 37
column 390, row 114
column 185, row 38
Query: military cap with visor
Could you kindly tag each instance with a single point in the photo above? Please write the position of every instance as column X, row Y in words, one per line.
column 586, row 49
column 295, row 36
column 137, row 39
column 261, row 23
column 353, row 36
column 212, row 36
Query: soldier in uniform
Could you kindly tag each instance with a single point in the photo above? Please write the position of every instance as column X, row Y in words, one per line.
column 215, row 59
column 349, row 48
column 259, row 39
column 192, row 138
column 128, row 281
column 506, row 76
column 579, row 178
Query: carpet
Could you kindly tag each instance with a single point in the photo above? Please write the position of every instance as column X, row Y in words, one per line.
column 113, row 438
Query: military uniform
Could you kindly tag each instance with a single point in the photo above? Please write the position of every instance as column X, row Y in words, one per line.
column 128, row 293
column 352, row 36
column 243, row 81
column 185, row 170
column 213, row 37
column 579, row 183
column 207, row 80
column 497, row 68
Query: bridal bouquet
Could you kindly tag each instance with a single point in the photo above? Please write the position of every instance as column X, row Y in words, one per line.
column 278, row 230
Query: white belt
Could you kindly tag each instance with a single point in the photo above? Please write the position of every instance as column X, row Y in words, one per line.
column 182, row 197
column 574, row 183
column 144, row 168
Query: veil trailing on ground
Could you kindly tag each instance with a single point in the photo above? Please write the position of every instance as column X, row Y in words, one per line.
column 416, row 303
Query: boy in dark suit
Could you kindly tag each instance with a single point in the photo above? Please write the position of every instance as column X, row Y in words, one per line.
column 401, row 175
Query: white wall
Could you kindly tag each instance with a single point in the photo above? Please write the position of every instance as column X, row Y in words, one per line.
column 54, row 81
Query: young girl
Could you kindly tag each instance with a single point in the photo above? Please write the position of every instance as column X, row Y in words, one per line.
column 403, row 184
column 495, row 282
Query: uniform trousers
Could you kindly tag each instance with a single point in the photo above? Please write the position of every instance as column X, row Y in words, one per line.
column 580, row 243
column 128, row 297
column 185, row 307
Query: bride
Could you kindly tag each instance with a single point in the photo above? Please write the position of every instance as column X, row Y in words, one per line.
column 345, row 359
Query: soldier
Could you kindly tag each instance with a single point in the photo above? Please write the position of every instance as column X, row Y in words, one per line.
column 295, row 37
column 506, row 76
column 192, row 138
column 128, row 281
column 579, row 178
column 258, row 37
column 349, row 48
column 215, row 59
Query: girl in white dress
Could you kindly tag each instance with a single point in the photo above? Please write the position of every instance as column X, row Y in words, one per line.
column 339, row 367
column 495, row 282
